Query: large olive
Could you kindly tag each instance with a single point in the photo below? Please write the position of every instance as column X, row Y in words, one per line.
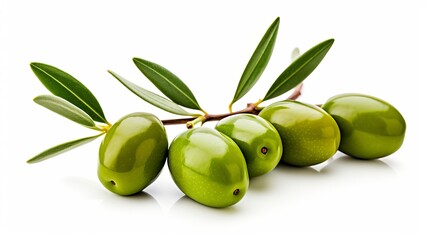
column 132, row 153
column 370, row 127
column 258, row 140
column 208, row 167
column 309, row 135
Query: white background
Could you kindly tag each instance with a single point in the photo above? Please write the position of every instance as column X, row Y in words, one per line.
column 378, row 51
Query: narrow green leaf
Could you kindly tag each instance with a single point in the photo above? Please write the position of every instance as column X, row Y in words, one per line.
column 152, row 98
column 69, row 88
column 168, row 83
column 65, row 109
column 300, row 69
column 56, row 150
column 257, row 63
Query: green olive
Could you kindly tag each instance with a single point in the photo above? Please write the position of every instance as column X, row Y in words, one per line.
column 370, row 127
column 258, row 140
column 132, row 153
column 309, row 135
column 208, row 167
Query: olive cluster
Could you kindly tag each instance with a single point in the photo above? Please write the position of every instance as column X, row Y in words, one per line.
column 213, row 166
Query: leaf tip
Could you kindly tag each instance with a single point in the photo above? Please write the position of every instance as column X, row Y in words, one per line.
column 115, row 75
column 329, row 43
column 137, row 60
column 29, row 161
column 34, row 65
column 37, row 99
column 34, row 159
column 276, row 23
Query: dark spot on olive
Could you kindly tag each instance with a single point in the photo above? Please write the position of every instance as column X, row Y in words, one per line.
column 236, row 192
column 264, row 150
column 113, row 182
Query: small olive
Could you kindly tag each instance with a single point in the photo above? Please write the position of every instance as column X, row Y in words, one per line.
column 309, row 135
column 258, row 140
column 132, row 153
column 370, row 127
column 208, row 167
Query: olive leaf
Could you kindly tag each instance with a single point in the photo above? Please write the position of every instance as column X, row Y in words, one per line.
column 168, row 83
column 152, row 98
column 298, row 70
column 69, row 88
column 257, row 63
column 56, row 150
column 65, row 109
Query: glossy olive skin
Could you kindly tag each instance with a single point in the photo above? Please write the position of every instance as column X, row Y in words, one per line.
column 208, row 167
column 258, row 140
column 132, row 154
column 309, row 135
column 370, row 127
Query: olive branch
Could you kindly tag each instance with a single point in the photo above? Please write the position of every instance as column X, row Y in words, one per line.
column 74, row 101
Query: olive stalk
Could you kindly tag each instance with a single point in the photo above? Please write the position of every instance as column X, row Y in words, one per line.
column 251, row 108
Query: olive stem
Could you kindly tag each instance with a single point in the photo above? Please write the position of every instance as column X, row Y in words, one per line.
column 102, row 128
column 296, row 92
column 252, row 108
column 230, row 107
column 191, row 122
column 197, row 120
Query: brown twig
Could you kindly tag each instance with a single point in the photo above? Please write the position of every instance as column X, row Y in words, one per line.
column 177, row 121
column 252, row 108
column 296, row 92
column 190, row 122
